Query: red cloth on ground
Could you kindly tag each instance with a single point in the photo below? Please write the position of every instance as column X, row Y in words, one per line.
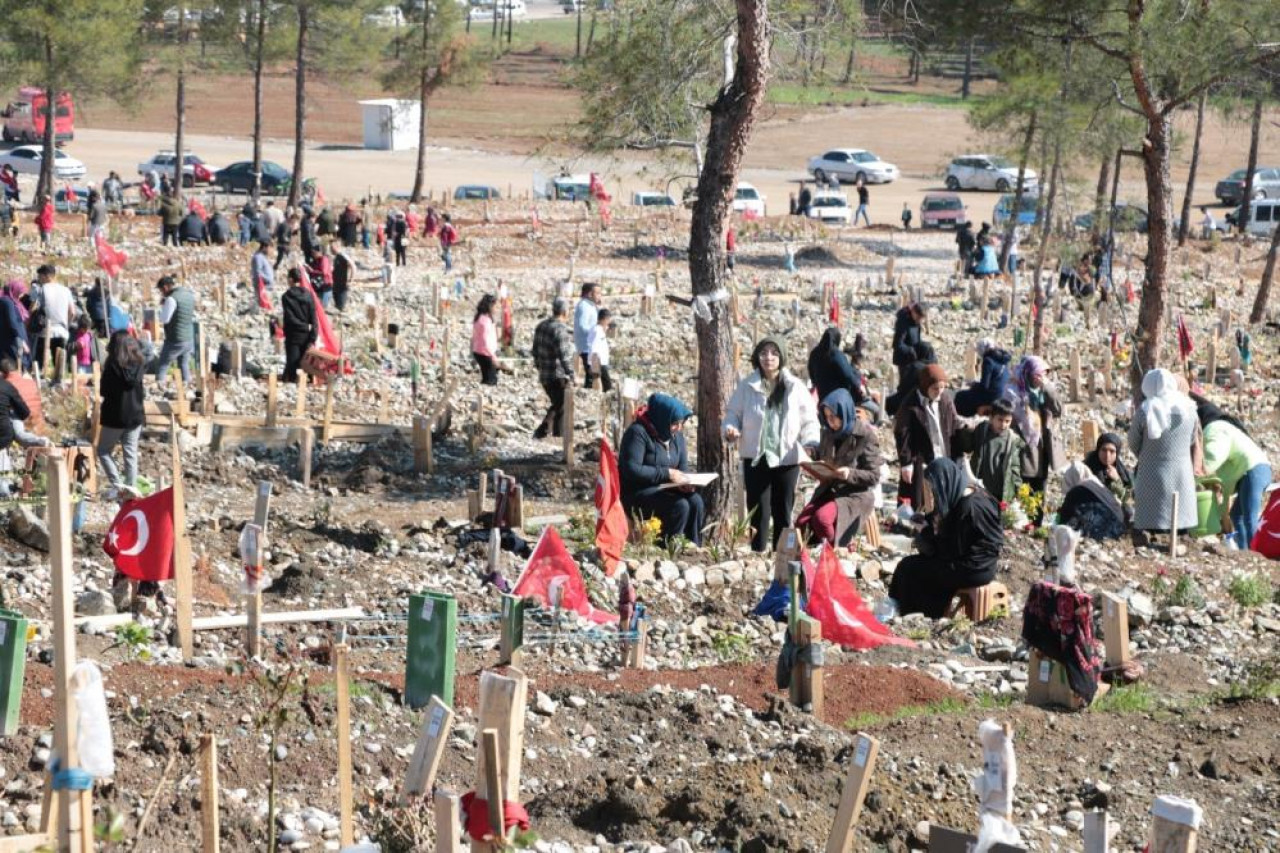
column 476, row 816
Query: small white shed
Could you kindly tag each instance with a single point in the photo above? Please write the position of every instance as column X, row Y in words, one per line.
column 391, row 124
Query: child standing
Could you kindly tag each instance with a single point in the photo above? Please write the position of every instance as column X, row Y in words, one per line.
column 82, row 345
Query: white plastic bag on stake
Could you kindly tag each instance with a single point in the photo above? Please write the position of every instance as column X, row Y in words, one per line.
column 93, row 725
column 994, row 786
column 253, row 540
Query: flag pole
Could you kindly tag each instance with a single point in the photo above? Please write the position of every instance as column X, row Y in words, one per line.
column 183, row 591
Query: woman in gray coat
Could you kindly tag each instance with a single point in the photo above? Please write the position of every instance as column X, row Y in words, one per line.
column 1162, row 436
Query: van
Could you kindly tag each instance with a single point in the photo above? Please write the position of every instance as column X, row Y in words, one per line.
column 571, row 188
column 1028, row 211
column 1264, row 216
column 24, row 117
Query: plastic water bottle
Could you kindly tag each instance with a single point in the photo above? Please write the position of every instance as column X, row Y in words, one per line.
column 886, row 610
column 93, row 738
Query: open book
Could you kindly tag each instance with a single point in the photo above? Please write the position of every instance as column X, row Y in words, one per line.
column 821, row 470
column 695, row 478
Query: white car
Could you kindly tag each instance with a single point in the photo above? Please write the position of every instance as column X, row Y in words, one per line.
column 194, row 170
column 987, row 172
column 851, row 165
column 748, row 198
column 652, row 199
column 830, row 207
column 487, row 11
column 26, row 160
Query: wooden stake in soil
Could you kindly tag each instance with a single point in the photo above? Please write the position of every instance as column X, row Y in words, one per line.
column 1175, row 825
column 326, row 431
column 184, row 591
column 74, row 808
column 567, row 424
column 855, row 792
column 493, row 784
column 1075, row 375
column 346, row 819
column 253, row 600
column 428, row 752
column 447, row 808
column 1115, row 629
column 271, row 399
column 422, row 445
column 209, row 793
column 1097, row 832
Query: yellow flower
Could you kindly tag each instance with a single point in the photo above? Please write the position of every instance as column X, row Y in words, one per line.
column 653, row 526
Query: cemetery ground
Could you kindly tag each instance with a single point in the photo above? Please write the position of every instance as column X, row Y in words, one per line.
column 697, row 745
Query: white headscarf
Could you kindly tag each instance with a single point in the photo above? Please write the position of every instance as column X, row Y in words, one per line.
column 1078, row 474
column 1160, row 387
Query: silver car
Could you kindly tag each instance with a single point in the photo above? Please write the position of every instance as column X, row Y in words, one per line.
column 987, row 172
column 1266, row 184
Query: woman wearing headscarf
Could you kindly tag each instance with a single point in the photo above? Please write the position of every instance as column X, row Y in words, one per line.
column 652, row 458
column 958, row 548
column 772, row 417
column 993, row 380
column 13, row 322
column 909, row 377
column 923, row 430
column 845, row 496
column 1089, row 506
column 1239, row 464
column 1035, row 408
column 1108, row 468
column 829, row 367
column 1162, row 436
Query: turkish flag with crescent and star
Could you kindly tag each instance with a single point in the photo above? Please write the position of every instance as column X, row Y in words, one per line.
column 611, row 518
column 835, row 603
column 140, row 539
column 552, row 578
column 1266, row 539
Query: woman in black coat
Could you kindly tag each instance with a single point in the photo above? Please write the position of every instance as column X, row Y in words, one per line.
column 829, row 367
column 652, row 461
column 123, row 413
column 958, row 548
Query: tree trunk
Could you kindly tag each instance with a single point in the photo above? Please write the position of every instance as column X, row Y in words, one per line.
column 424, row 92
column 1100, row 197
column 733, row 114
column 848, row 64
column 968, row 70
column 44, row 186
column 1185, row 226
column 300, row 107
column 1019, row 191
column 577, row 51
column 1268, row 275
column 591, row 30
column 802, row 51
column 180, row 107
column 257, row 99
column 1156, row 153
column 1039, row 292
column 1246, row 203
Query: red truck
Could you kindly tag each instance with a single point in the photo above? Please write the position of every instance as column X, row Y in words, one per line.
column 25, row 116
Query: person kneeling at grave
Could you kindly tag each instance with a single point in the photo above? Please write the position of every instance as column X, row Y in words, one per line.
column 958, row 547
column 993, row 381
column 847, row 467
column 652, row 461
column 1089, row 506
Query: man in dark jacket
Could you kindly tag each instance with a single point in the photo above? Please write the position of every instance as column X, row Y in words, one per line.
column 554, row 356
column 652, row 460
column 829, row 367
column 307, row 239
column 191, row 230
column 906, row 334
column 342, row 273
column 966, row 242
column 218, row 229
column 923, row 430
column 170, row 219
column 324, row 223
column 299, row 324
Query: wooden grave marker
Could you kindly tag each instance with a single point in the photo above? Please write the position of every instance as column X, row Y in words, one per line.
column 428, row 752
column 209, row 822
column 346, row 806
column 253, row 600
column 861, row 768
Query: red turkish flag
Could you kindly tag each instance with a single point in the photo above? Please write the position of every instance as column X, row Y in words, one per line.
column 111, row 260
column 833, row 311
column 329, row 342
column 611, row 518
column 551, row 575
column 1266, row 539
column 508, row 324
column 140, row 539
column 835, row 603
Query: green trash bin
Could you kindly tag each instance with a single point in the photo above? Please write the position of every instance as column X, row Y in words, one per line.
column 13, row 660
column 431, row 657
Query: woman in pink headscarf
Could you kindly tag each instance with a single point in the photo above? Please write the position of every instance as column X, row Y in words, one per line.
column 1035, row 408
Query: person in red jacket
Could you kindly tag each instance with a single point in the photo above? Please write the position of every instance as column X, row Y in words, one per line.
column 448, row 237
column 44, row 219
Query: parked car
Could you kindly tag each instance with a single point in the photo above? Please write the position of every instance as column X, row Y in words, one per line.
column 476, row 192
column 747, row 198
column 830, row 207
column 1266, row 184
column 1264, row 215
column 851, row 165
column 652, row 199
column 986, row 172
column 238, row 177
column 71, row 199
column 194, row 170
column 500, row 8
column 942, row 210
column 26, row 160
column 571, row 188
column 1028, row 211
column 1125, row 217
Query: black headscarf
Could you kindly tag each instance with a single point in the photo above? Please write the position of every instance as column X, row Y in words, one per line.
column 1094, row 464
column 1208, row 412
column 780, row 387
column 948, row 481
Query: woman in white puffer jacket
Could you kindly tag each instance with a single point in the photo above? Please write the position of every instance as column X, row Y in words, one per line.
column 773, row 418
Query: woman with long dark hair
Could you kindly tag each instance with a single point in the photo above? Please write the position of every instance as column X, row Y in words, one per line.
column 484, row 339
column 123, row 414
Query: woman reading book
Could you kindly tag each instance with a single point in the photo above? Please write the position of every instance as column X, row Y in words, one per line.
column 847, row 467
